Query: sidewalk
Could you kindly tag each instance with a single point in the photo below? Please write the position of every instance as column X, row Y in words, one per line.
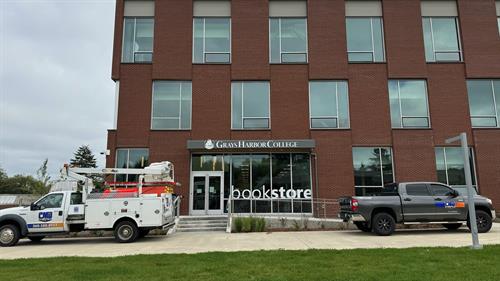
column 196, row 242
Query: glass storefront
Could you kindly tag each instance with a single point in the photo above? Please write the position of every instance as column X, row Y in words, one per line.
column 256, row 177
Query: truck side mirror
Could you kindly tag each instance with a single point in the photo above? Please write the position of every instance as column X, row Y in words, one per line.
column 454, row 193
column 33, row 207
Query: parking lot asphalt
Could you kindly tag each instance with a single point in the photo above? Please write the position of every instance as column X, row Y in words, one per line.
column 196, row 242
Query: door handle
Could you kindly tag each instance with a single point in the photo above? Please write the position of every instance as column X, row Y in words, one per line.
column 438, row 199
column 60, row 213
column 407, row 199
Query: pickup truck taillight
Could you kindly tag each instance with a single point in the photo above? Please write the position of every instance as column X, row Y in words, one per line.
column 354, row 205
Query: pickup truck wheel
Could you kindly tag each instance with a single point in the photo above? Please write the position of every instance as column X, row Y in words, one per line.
column 483, row 220
column 363, row 226
column 452, row 226
column 126, row 232
column 383, row 224
column 9, row 235
column 36, row 239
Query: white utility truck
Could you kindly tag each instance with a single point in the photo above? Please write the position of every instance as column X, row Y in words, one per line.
column 130, row 212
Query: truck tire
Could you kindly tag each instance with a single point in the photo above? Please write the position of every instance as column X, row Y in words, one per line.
column 126, row 232
column 363, row 226
column 452, row 226
column 9, row 235
column 383, row 224
column 483, row 220
column 36, row 239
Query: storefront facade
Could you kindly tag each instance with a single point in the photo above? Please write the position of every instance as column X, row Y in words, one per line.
column 282, row 104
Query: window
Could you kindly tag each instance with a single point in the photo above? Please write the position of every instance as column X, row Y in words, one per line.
column 498, row 15
column 287, row 32
column 417, row 190
column 409, row 106
column 441, row 190
column 76, row 198
column 250, row 105
column 372, row 169
column 450, row 166
column 212, row 32
column 441, row 31
column 484, row 102
column 171, row 105
column 50, row 201
column 131, row 158
column 364, row 30
column 138, row 26
column 328, row 104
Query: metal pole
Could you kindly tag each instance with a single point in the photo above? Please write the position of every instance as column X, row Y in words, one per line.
column 470, row 193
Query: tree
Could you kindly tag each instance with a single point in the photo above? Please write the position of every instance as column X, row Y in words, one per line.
column 43, row 185
column 84, row 158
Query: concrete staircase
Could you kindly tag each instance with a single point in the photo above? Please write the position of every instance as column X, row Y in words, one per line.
column 202, row 223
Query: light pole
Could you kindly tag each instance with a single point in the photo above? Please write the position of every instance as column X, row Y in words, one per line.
column 470, row 194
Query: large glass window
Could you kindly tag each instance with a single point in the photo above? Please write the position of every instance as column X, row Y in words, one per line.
column 450, row 166
column 365, row 39
column 137, row 39
column 328, row 104
column 250, row 105
column 171, row 105
column 409, row 106
column 372, row 169
column 50, row 201
column 212, row 40
column 441, row 39
column 288, row 40
column 484, row 102
column 130, row 158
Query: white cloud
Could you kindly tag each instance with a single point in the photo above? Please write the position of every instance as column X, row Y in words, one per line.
column 55, row 87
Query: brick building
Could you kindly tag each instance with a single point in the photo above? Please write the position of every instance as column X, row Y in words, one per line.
column 321, row 97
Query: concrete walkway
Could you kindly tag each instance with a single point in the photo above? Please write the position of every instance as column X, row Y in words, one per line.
column 196, row 242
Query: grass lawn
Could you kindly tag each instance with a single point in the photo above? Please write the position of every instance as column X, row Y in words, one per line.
column 373, row 264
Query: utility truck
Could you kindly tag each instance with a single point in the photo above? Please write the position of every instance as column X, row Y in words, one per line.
column 129, row 209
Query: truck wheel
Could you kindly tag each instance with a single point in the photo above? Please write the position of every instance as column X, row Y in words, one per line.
column 9, row 235
column 483, row 220
column 383, row 224
column 363, row 226
column 36, row 239
column 126, row 232
column 452, row 226
column 143, row 232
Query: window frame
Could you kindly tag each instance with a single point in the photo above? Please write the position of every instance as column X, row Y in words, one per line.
column 458, row 37
column 445, row 163
column 368, row 187
column 280, row 39
column 135, row 33
column 384, row 59
column 204, row 39
column 337, row 107
column 497, row 110
column 180, row 108
column 128, row 149
column 402, row 116
column 242, row 107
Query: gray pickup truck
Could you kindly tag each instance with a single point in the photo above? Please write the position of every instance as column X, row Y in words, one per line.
column 414, row 203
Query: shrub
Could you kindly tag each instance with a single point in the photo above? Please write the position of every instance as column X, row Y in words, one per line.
column 249, row 224
column 238, row 224
column 260, row 225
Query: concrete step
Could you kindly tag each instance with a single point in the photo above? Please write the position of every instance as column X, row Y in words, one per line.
column 191, row 225
column 182, row 222
column 205, row 218
column 197, row 229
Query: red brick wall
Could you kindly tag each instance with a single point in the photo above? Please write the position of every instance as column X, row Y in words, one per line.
column 413, row 150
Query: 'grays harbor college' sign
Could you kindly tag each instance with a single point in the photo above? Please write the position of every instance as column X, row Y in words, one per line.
column 249, row 144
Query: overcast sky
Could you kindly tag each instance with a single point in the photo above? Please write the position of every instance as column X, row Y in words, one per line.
column 55, row 87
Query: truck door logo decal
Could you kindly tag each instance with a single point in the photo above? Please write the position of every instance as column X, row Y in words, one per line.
column 45, row 225
column 450, row 204
column 45, row 216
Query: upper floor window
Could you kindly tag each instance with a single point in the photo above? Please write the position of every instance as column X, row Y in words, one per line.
column 450, row 166
column 138, row 30
column 364, row 30
column 409, row 106
column 129, row 158
column 498, row 15
column 441, row 31
column 484, row 102
column 372, row 169
column 328, row 104
column 250, row 105
column 171, row 105
column 212, row 32
column 288, row 32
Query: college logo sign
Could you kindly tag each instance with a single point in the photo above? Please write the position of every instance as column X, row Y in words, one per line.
column 209, row 144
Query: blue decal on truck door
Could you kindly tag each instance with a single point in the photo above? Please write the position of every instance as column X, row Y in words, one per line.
column 45, row 216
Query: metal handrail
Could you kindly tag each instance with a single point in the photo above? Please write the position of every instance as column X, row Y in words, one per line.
column 229, row 208
column 177, row 206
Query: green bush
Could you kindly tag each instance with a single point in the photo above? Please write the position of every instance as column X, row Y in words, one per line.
column 249, row 224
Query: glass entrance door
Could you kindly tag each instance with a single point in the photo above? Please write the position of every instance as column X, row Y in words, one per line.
column 207, row 193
